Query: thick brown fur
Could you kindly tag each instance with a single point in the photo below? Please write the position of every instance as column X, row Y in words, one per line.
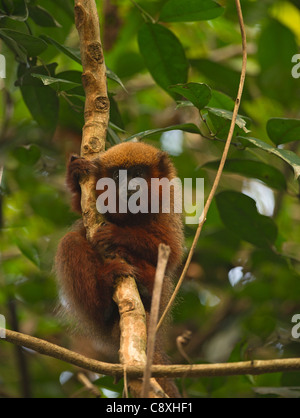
column 126, row 244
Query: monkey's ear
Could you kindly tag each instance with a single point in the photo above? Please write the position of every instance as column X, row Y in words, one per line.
column 165, row 165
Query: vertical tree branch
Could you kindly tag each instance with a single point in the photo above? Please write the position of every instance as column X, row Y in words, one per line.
column 96, row 115
column 133, row 333
column 96, row 112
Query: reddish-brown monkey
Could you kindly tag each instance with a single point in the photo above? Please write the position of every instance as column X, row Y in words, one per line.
column 126, row 244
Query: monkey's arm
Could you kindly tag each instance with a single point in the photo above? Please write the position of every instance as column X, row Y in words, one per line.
column 141, row 241
column 86, row 279
column 78, row 168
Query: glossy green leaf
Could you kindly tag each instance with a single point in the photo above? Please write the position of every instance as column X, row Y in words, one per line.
column 19, row 52
column 270, row 175
column 57, row 84
column 219, row 76
column 42, row 101
column 186, row 127
column 276, row 46
column 239, row 214
column 226, row 114
column 220, row 121
column 197, row 93
column 163, row 54
column 190, row 11
column 112, row 76
column 286, row 155
column 16, row 9
column 42, row 17
column 282, row 130
column 28, row 250
column 220, row 100
column 32, row 45
column 70, row 52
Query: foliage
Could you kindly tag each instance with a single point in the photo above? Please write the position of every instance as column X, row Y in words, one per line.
column 173, row 72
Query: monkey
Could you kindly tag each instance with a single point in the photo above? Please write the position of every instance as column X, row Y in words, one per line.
column 124, row 244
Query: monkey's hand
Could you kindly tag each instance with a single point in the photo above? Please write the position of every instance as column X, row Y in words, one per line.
column 78, row 168
column 104, row 241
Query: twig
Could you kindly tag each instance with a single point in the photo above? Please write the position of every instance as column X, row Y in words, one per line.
column 254, row 367
column 181, row 341
column 163, row 257
column 221, row 166
column 82, row 378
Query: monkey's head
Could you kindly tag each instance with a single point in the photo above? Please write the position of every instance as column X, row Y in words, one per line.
column 132, row 168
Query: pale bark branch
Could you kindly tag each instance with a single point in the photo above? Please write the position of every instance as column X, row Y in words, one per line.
column 133, row 329
column 254, row 367
column 96, row 115
column 96, row 112
column 163, row 257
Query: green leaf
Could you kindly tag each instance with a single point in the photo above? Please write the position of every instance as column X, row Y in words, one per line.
column 186, row 127
column 32, row 45
column 197, row 93
column 286, row 155
column 215, row 73
column 190, row 11
column 112, row 76
column 42, row 17
column 281, row 130
column 70, row 52
column 42, row 101
column 29, row 250
column 28, row 155
column 226, row 114
column 220, row 119
column 276, row 47
column 16, row 10
column 163, row 54
column 239, row 214
column 18, row 50
column 221, row 101
column 115, row 117
column 57, row 84
column 270, row 175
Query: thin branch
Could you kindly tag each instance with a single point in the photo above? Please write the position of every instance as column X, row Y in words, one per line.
column 222, row 163
column 254, row 367
column 182, row 341
column 163, row 257
column 84, row 380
